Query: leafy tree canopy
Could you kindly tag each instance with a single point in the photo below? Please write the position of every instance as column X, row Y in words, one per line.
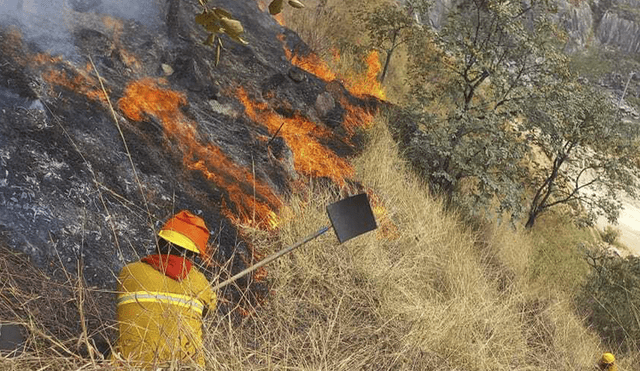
column 488, row 55
column 493, row 90
column 589, row 151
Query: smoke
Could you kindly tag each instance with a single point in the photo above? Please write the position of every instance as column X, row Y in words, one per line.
column 47, row 23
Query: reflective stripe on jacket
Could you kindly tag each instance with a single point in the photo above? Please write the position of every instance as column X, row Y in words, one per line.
column 183, row 301
column 160, row 319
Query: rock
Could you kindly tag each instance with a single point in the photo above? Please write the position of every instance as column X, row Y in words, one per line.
column 189, row 73
column 166, row 69
column 618, row 29
column 336, row 89
column 613, row 252
column 438, row 12
column 324, row 104
column 612, row 22
column 296, row 74
column 577, row 21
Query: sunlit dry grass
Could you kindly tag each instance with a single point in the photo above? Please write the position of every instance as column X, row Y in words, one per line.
column 435, row 295
column 438, row 296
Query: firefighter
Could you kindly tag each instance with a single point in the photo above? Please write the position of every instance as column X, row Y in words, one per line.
column 162, row 299
column 607, row 362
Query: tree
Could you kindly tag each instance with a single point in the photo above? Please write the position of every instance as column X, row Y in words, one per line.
column 491, row 51
column 390, row 26
column 590, row 152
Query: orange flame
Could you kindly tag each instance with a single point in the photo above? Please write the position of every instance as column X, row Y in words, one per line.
column 356, row 117
column 311, row 158
column 145, row 97
column 360, row 85
column 312, row 64
column 41, row 59
column 368, row 84
column 79, row 83
column 280, row 19
column 117, row 26
column 11, row 45
column 387, row 229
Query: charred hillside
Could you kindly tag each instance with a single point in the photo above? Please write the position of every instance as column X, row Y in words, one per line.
column 79, row 180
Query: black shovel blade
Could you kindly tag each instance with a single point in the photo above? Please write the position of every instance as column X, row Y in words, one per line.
column 351, row 217
column 11, row 339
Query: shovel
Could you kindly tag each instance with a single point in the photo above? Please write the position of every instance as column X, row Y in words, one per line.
column 11, row 339
column 350, row 217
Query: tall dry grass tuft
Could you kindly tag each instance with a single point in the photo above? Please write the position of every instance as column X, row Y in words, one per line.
column 65, row 321
column 466, row 293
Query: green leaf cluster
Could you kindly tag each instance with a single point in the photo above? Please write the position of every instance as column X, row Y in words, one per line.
column 611, row 298
column 218, row 21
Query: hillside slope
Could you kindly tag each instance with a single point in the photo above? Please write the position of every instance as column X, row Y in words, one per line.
column 81, row 181
column 424, row 292
column 258, row 146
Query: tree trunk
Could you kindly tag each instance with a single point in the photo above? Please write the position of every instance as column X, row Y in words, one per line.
column 388, row 59
column 386, row 65
column 531, row 220
column 543, row 193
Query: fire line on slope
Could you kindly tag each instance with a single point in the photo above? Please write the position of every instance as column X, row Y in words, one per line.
column 359, row 85
column 311, row 158
column 147, row 97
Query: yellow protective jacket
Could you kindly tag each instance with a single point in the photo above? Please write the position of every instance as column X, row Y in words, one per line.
column 160, row 318
column 611, row 367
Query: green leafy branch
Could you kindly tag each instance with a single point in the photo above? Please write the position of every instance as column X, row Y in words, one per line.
column 218, row 21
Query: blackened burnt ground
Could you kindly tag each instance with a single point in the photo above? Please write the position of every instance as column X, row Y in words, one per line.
column 68, row 191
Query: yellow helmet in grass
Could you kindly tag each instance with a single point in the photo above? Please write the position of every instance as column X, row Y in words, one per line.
column 607, row 358
column 187, row 231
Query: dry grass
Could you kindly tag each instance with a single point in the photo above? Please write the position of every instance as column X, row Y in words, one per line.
column 64, row 318
column 437, row 296
column 433, row 295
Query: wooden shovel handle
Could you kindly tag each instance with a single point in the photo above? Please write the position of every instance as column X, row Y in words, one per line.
column 271, row 258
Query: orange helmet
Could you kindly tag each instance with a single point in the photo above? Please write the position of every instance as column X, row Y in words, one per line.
column 187, row 231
